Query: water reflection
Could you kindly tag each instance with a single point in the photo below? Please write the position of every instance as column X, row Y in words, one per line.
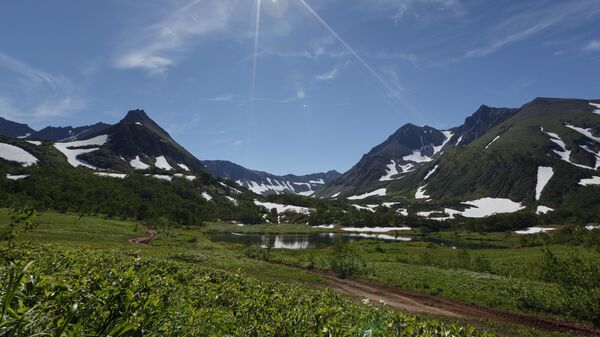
column 298, row 241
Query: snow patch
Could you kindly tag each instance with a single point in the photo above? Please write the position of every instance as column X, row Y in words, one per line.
column 189, row 178
column 544, row 174
column 448, row 135
column 543, row 210
column 597, row 105
column 421, row 193
column 283, row 208
column 390, row 171
column 564, row 154
column 380, row 237
column 73, row 149
column 17, row 177
column 111, row 175
column 492, row 142
column 138, row 164
column 585, row 132
column 326, row 226
column 318, row 182
column 206, row 196
column 380, row 192
column 161, row 177
column 233, row 200
column 534, row 230
column 161, row 163
column 591, row 181
column 489, row 206
column 17, row 154
column 335, row 195
column 34, row 142
column 459, row 140
column 183, row 166
column 431, row 172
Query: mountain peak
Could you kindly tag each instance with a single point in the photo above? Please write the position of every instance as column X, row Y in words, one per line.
column 136, row 115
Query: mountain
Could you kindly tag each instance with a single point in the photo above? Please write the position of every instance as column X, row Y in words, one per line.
column 67, row 133
column 403, row 152
column 14, row 129
column 136, row 142
column 543, row 155
column 265, row 183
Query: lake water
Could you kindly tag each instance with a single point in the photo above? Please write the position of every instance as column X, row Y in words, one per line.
column 298, row 241
column 319, row 240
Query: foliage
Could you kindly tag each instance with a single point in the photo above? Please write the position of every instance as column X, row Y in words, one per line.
column 579, row 283
column 50, row 291
column 345, row 260
column 21, row 220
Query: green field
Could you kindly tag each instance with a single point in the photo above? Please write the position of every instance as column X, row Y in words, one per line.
column 99, row 246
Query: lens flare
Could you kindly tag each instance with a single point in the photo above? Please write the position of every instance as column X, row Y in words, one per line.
column 389, row 88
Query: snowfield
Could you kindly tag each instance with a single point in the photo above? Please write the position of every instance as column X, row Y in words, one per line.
column 490, row 206
column 492, row 142
column 597, row 105
column 111, row 175
column 380, row 237
column 161, row 177
column 417, row 157
column 390, row 171
column 183, row 166
column 564, row 154
column 162, row 163
column 75, row 148
column 544, row 174
column 543, row 210
column 481, row 208
column 283, row 208
column 17, row 154
column 138, row 164
column 585, row 132
column 278, row 187
column 591, row 181
column 431, row 172
column 17, row 177
column 534, row 230
column 421, row 193
column 380, row 193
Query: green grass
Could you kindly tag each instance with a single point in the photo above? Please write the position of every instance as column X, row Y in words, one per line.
column 513, row 285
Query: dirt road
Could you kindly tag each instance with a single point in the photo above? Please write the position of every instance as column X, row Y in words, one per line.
column 144, row 240
column 409, row 301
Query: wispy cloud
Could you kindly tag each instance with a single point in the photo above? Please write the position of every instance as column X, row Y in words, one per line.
column 592, row 45
column 333, row 73
column 533, row 20
column 398, row 10
column 47, row 96
column 157, row 47
column 222, row 98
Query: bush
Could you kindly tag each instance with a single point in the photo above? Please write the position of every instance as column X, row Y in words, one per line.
column 345, row 260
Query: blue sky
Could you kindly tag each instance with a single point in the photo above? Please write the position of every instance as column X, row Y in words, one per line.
column 323, row 83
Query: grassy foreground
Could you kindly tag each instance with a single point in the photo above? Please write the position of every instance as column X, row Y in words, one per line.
column 80, row 277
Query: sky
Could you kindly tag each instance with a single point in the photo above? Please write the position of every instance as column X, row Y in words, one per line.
column 290, row 86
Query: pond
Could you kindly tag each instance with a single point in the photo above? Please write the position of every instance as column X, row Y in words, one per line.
column 298, row 241
column 320, row 240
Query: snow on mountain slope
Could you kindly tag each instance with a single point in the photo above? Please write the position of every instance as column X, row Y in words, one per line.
column 162, row 163
column 597, row 105
column 137, row 164
column 283, row 208
column 16, row 154
column 377, row 193
column 544, row 174
column 73, row 149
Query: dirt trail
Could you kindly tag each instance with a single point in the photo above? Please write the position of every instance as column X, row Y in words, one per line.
column 410, row 301
column 144, row 240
